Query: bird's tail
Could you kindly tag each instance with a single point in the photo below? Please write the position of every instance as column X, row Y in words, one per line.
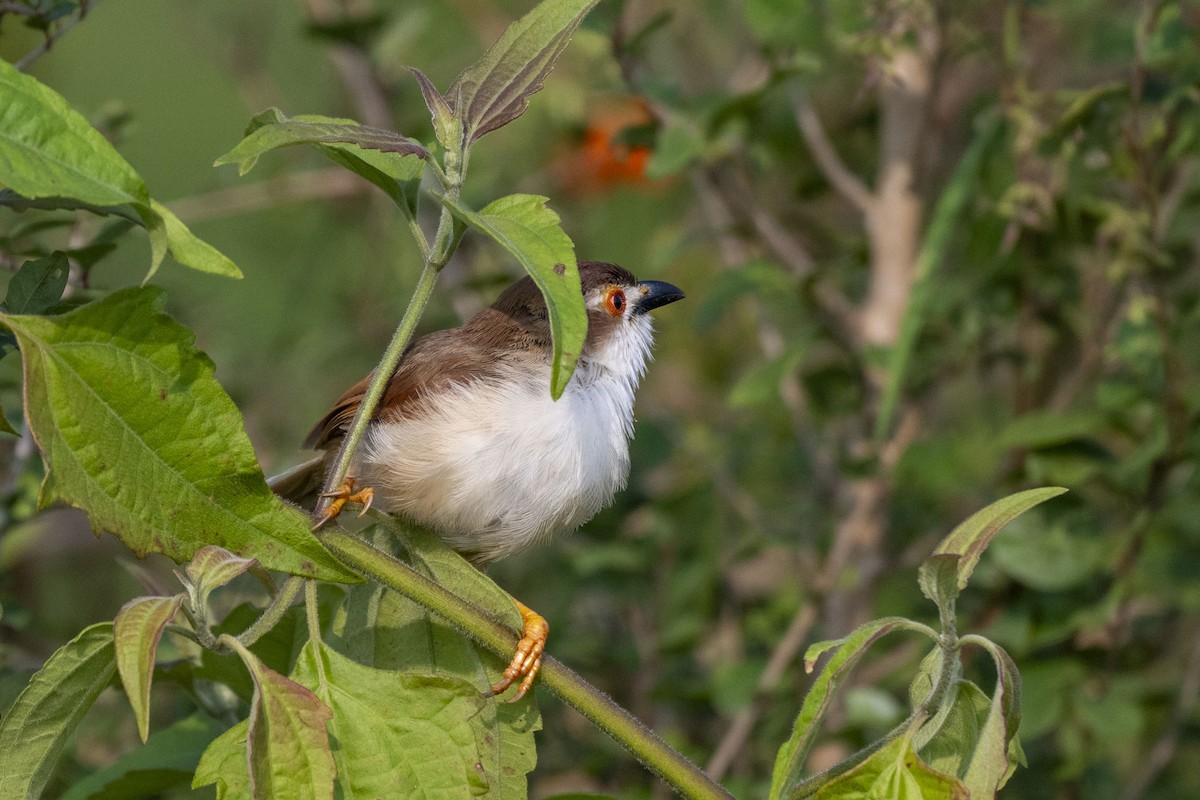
column 301, row 484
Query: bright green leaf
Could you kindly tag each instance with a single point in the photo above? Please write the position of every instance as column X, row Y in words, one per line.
column 789, row 762
column 36, row 727
column 896, row 773
column 287, row 742
column 167, row 760
column 191, row 251
column 382, row 157
column 529, row 230
column 48, row 149
column 37, row 285
column 382, row 628
column 136, row 431
column 496, row 89
column 224, row 765
column 396, row 733
column 972, row 536
column 136, row 632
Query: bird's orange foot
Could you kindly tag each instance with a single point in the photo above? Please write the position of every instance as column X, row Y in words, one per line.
column 342, row 495
column 527, row 661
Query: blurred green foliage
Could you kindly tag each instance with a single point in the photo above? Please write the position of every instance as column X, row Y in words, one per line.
column 1055, row 343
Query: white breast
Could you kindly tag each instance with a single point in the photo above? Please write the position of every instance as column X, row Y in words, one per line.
column 496, row 467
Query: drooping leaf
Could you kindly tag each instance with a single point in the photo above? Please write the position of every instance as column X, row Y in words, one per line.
column 37, row 285
column 136, row 632
column 382, row 157
column 48, row 149
column 50, row 156
column 972, row 536
column 384, row 629
column 137, row 432
column 396, row 733
column 527, row 228
column 894, row 772
column 287, row 742
column 789, row 762
column 999, row 751
column 167, row 760
column 496, row 89
column 190, row 250
column 224, row 764
column 36, row 727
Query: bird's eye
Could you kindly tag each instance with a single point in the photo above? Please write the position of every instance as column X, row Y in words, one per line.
column 615, row 302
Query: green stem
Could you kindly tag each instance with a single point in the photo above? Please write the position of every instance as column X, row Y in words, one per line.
column 436, row 257
column 312, row 611
column 274, row 612
column 673, row 767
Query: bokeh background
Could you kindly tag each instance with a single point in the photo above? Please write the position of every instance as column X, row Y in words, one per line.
column 1006, row 194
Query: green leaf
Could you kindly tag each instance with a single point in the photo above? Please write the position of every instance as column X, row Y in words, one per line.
column 167, row 760
column 1048, row 428
column 188, row 249
column 938, row 578
column 37, row 285
column 384, row 629
column 47, row 149
column 999, row 751
column 934, row 246
column 396, row 733
column 136, row 431
column 971, row 538
column 211, row 568
column 496, row 89
column 287, row 742
column 895, row 772
column 136, row 632
column 789, row 762
column 761, row 384
column 224, row 764
column 34, row 731
column 947, row 741
column 446, row 126
column 529, row 230
column 382, row 157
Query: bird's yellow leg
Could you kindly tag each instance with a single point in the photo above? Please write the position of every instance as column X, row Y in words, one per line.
column 342, row 495
column 527, row 661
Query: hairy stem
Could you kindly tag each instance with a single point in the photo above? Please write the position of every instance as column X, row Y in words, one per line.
column 644, row 744
column 274, row 612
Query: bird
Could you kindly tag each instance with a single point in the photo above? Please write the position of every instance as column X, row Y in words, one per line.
column 468, row 442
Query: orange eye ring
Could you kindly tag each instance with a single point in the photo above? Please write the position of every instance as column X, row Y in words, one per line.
column 614, row 302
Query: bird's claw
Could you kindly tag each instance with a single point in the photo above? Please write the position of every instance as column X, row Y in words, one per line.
column 527, row 661
column 340, row 497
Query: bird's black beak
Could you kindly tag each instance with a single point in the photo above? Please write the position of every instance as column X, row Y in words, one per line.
column 652, row 294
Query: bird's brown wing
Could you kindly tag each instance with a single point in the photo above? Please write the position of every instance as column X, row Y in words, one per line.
column 432, row 362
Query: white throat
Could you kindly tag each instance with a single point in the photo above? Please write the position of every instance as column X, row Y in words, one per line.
column 497, row 466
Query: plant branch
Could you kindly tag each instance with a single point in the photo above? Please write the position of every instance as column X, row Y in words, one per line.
column 60, row 30
column 274, row 611
column 643, row 743
column 845, row 182
column 782, row 656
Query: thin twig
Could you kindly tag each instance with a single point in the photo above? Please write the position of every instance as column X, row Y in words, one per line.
column 845, row 182
column 782, row 656
column 60, row 30
column 319, row 184
column 1164, row 748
